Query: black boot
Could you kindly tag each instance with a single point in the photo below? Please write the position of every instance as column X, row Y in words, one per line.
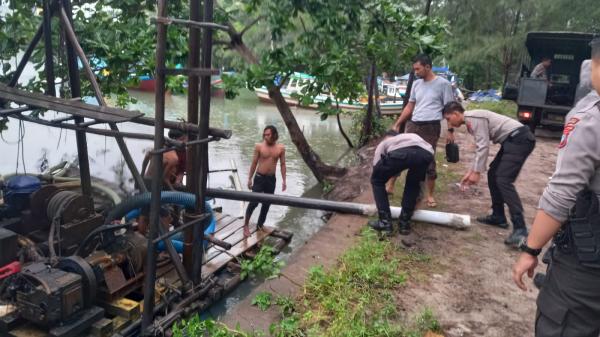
column 519, row 231
column 404, row 223
column 497, row 218
column 383, row 224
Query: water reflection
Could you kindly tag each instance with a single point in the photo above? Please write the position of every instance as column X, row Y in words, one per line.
column 43, row 146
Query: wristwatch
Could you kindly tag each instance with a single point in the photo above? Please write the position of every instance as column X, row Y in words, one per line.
column 526, row 249
column 450, row 130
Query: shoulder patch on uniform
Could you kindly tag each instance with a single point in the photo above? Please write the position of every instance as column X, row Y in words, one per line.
column 469, row 127
column 569, row 127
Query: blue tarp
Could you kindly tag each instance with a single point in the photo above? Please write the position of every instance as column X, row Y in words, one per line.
column 485, row 96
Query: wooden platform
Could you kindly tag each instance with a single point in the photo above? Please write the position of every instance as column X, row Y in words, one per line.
column 230, row 229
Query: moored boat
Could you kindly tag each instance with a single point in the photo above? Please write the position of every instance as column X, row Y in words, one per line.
column 298, row 81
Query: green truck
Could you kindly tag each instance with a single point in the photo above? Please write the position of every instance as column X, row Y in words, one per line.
column 545, row 102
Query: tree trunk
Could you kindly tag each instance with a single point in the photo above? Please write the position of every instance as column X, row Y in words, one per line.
column 514, row 30
column 367, row 125
column 320, row 170
column 377, row 104
column 427, row 7
column 411, row 80
column 339, row 122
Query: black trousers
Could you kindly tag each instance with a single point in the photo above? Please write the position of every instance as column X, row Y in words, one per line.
column 569, row 302
column 262, row 184
column 505, row 169
column 414, row 159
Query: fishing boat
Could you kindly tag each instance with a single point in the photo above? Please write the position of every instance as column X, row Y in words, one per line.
column 148, row 84
column 298, row 81
column 392, row 92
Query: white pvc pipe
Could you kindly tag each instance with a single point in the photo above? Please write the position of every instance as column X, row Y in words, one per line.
column 459, row 221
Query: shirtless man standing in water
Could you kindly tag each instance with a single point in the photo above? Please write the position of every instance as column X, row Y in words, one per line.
column 264, row 163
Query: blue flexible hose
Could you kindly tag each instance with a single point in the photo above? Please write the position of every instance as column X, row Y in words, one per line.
column 131, row 208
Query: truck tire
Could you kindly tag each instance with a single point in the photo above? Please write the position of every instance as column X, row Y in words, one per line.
column 535, row 121
column 532, row 126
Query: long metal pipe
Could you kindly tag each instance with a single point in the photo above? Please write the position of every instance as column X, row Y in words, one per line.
column 75, row 84
column 185, row 127
column 207, row 36
column 150, row 272
column 49, row 61
column 440, row 218
column 75, row 127
column 13, row 111
column 193, row 166
column 26, row 56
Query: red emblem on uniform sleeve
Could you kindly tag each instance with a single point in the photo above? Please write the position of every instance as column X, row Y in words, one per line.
column 569, row 127
column 469, row 127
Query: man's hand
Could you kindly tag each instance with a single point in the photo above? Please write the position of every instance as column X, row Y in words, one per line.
column 283, row 186
column 525, row 263
column 449, row 137
column 249, row 184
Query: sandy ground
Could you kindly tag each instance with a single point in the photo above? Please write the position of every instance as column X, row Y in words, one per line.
column 469, row 286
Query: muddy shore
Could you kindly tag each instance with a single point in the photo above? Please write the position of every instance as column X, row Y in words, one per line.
column 469, row 286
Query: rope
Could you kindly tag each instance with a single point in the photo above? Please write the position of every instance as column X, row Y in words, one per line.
column 20, row 147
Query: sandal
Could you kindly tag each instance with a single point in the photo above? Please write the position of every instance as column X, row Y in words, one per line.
column 431, row 203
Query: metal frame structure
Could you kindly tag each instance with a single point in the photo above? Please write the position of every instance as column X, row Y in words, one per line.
column 197, row 128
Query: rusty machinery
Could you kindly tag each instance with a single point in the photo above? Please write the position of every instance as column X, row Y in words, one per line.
column 48, row 286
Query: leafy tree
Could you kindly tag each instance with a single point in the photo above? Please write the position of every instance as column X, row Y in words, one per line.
column 341, row 43
column 488, row 35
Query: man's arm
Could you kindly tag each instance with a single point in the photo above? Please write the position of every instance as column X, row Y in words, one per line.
column 253, row 165
column 146, row 162
column 404, row 116
column 447, row 97
column 543, row 229
column 578, row 158
column 283, row 168
column 480, row 129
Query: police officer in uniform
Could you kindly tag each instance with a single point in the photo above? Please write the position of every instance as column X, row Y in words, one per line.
column 396, row 153
column 569, row 301
column 517, row 143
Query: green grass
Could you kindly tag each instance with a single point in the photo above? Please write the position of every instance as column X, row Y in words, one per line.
column 263, row 300
column 356, row 298
column 503, row 107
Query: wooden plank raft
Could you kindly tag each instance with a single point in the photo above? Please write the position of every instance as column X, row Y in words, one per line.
column 230, row 229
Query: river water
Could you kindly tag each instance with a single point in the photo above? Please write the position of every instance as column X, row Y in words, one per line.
column 245, row 116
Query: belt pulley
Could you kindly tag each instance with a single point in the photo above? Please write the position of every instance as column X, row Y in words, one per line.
column 79, row 266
